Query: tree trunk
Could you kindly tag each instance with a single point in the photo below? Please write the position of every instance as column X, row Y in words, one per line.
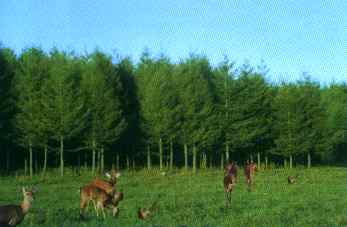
column 25, row 167
column 85, row 160
column 45, row 160
column 149, row 166
column 128, row 162
column 194, row 158
column 221, row 161
column 266, row 162
column 227, row 152
column 210, row 161
column 30, row 160
column 308, row 160
column 98, row 161
column 36, row 163
column 171, row 154
column 285, row 163
column 204, row 160
column 290, row 162
column 134, row 166
column 117, row 161
column 8, row 159
column 251, row 157
column 258, row 159
column 102, row 160
column 93, row 156
column 160, row 154
column 61, row 156
column 185, row 157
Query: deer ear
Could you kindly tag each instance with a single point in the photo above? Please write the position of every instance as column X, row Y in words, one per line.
column 23, row 190
column 108, row 175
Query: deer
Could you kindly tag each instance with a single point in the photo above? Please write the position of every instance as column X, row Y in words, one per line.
column 143, row 213
column 100, row 198
column 230, row 174
column 291, row 179
column 13, row 215
column 231, row 168
column 250, row 168
column 107, row 186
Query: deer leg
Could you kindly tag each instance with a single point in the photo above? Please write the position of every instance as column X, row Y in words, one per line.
column 115, row 211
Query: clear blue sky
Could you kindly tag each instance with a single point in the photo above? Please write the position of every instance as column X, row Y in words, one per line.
column 291, row 36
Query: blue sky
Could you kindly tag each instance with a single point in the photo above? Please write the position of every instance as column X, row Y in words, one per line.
column 291, row 36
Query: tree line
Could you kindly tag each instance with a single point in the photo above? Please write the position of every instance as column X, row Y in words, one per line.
column 64, row 109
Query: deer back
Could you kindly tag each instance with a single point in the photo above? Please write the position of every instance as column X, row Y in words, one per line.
column 11, row 215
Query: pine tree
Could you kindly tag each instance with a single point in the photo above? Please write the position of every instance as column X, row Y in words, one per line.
column 63, row 101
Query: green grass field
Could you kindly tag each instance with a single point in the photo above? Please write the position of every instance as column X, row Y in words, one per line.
column 319, row 198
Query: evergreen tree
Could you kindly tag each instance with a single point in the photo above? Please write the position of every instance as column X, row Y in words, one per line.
column 8, row 65
column 30, row 121
column 105, row 121
column 63, row 99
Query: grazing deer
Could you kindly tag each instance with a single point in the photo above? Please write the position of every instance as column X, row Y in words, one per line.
column 292, row 179
column 146, row 213
column 12, row 215
column 230, row 174
column 250, row 168
column 100, row 199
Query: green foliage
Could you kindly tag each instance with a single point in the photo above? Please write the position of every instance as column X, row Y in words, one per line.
column 31, row 73
column 104, row 121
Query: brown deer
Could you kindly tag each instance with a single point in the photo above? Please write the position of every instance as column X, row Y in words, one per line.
column 230, row 174
column 100, row 199
column 146, row 213
column 12, row 215
column 292, row 179
column 250, row 168
column 107, row 186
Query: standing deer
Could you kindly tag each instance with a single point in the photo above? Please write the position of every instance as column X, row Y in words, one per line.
column 107, row 186
column 12, row 215
column 250, row 168
column 230, row 174
column 100, row 199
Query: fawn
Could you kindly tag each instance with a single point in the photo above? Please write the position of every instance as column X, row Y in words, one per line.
column 230, row 174
column 250, row 168
column 292, row 179
column 146, row 213
column 100, row 199
column 12, row 215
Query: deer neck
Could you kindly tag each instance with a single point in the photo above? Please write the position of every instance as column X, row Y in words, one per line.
column 25, row 205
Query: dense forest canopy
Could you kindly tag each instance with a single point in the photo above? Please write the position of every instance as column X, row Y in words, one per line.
column 61, row 109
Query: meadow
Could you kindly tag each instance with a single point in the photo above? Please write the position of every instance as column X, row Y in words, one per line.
column 318, row 198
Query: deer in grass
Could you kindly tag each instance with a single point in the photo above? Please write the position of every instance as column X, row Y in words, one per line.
column 143, row 213
column 13, row 215
column 291, row 179
column 107, row 186
column 230, row 175
column 100, row 198
column 250, row 168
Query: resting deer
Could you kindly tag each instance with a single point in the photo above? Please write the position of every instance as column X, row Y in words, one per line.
column 12, row 215
column 292, row 179
column 230, row 174
column 146, row 213
column 100, row 199
column 250, row 168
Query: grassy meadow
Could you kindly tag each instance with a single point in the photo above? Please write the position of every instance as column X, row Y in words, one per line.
column 318, row 198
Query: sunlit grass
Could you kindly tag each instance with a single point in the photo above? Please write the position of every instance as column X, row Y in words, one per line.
column 318, row 198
